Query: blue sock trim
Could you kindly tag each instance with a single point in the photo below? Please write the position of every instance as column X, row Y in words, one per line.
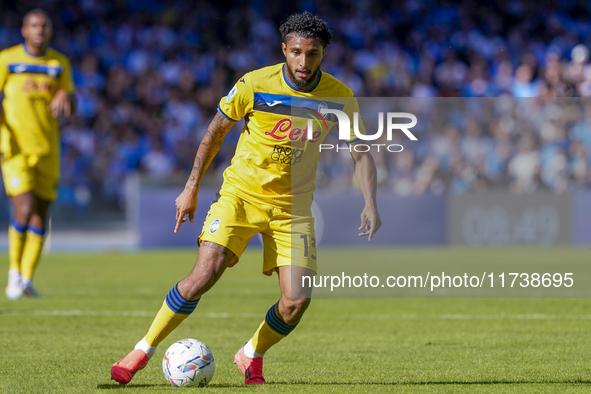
column 276, row 324
column 17, row 226
column 36, row 230
column 178, row 304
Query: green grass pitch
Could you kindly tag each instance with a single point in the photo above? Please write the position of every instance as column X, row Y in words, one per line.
column 97, row 306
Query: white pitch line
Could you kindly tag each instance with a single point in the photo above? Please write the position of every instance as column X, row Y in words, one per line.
column 83, row 313
column 225, row 315
column 448, row 316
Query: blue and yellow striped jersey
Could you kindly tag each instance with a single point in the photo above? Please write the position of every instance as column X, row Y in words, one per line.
column 29, row 83
column 275, row 161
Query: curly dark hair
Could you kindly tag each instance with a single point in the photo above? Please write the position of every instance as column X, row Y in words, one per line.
column 306, row 25
column 36, row 11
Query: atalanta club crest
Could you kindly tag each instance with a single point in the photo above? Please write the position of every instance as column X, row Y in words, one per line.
column 214, row 226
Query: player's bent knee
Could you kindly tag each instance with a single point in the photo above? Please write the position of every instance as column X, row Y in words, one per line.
column 23, row 211
column 194, row 286
column 211, row 264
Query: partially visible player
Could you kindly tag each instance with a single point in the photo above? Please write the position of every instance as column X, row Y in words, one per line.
column 38, row 88
column 267, row 189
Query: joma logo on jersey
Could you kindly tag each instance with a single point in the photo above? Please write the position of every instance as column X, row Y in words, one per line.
column 282, row 131
column 286, row 155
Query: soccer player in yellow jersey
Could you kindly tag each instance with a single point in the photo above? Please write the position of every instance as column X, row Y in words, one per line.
column 267, row 189
column 37, row 85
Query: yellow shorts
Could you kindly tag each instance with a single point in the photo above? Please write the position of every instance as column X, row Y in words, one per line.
column 25, row 173
column 288, row 237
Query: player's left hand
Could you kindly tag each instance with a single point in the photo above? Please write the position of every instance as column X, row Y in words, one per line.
column 60, row 105
column 370, row 222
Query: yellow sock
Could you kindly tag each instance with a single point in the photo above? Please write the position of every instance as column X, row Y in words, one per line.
column 164, row 323
column 31, row 253
column 264, row 338
column 16, row 242
column 174, row 310
column 271, row 331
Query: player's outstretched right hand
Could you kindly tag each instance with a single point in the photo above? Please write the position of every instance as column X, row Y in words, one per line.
column 186, row 203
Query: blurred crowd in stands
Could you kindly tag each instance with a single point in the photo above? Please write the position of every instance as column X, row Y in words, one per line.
column 150, row 73
column 480, row 144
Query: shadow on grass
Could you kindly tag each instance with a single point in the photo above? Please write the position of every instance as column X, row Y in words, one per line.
column 451, row 382
column 114, row 386
column 117, row 386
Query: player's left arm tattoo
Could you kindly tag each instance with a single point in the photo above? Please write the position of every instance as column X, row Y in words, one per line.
column 366, row 175
column 209, row 147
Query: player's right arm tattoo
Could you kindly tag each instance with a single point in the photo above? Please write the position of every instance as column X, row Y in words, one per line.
column 209, row 147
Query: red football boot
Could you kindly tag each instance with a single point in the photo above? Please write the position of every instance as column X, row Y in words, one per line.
column 252, row 368
column 124, row 370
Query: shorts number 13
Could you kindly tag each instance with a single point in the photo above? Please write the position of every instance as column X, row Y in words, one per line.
column 313, row 244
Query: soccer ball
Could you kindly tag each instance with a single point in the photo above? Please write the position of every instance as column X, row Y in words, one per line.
column 188, row 362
